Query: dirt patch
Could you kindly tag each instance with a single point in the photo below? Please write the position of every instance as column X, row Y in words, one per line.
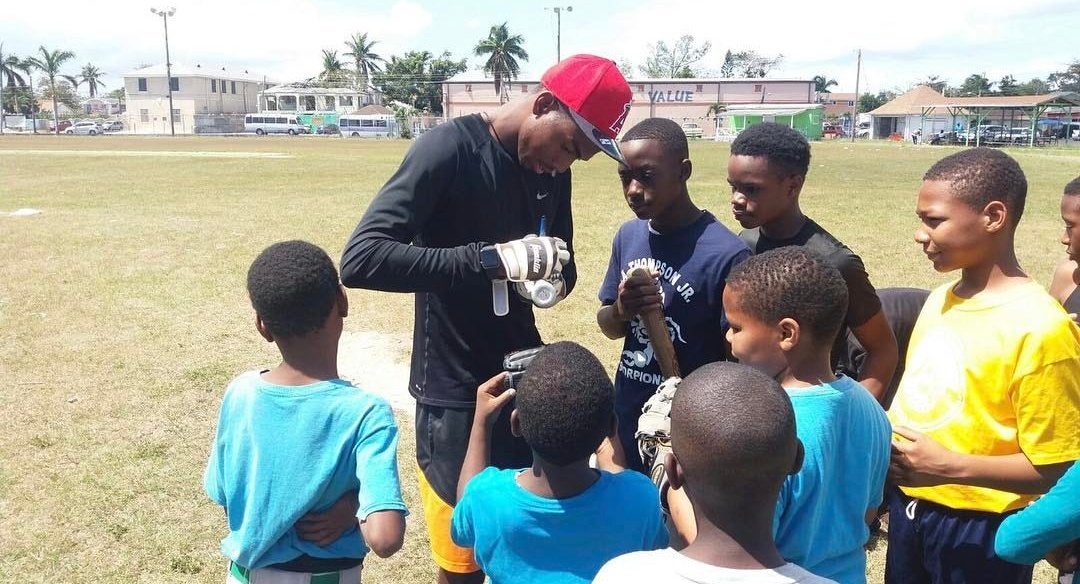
column 151, row 153
column 378, row 362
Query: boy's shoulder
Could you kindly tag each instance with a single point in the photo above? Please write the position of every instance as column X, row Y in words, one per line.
column 338, row 394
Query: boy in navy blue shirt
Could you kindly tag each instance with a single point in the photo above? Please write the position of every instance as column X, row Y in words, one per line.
column 298, row 439
column 689, row 254
column 560, row 520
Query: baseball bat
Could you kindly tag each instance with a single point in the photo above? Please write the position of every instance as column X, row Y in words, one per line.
column 657, row 329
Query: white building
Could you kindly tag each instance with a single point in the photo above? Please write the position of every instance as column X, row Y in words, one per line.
column 687, row 101
column 205, row 99
column 311, row 96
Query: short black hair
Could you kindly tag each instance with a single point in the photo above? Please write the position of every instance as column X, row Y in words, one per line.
column 782, row 146
column 293, row 286
column 565, row 403
column 668, row 133
column 792, row 282
column 978, row 176
column 1073, row 188
column 733, row 431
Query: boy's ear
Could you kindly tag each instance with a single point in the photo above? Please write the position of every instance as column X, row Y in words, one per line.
column 515, row 424
column 342, row 302
column 544, row 103
column 995, row 216
column 790, row 333
column 686, row 170
column 800, row 455
column 795, row 184
column 674, row 471
column 264, row 332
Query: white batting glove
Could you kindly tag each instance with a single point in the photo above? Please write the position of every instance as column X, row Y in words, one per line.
column 533, row 257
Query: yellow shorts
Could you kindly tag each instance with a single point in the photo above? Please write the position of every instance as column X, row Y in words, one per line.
column 437, row 514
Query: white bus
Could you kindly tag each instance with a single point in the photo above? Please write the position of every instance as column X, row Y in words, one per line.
column 367, row 125
column 274, row 123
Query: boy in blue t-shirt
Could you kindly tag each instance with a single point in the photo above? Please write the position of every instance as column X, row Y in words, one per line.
column 785, row 307
column 560, row 520
column 297, row 439
column 689, row 254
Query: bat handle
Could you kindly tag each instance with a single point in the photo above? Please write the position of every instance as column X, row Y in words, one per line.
column 663, row 348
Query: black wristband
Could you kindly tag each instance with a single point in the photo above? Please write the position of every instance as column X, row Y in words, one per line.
column 492, row 263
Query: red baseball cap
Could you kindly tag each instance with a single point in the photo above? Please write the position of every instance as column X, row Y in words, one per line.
column 597, row 95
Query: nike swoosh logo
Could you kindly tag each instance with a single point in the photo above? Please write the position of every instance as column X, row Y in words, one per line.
column 541, row 196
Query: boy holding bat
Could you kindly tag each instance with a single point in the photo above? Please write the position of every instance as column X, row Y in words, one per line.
column 686, row 255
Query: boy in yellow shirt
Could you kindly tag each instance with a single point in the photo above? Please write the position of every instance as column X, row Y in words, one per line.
column 988, row 411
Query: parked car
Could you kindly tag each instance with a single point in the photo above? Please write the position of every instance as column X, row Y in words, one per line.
column 113, row 126
column 91, row 128
column 63, row 125
column 834, row 130
column 1021, row 135
column 692, row 131
column 328, row 129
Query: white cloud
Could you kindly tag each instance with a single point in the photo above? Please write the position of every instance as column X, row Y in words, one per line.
column 282, row 39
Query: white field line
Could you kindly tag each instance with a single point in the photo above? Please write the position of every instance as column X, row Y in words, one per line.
column 148, row 153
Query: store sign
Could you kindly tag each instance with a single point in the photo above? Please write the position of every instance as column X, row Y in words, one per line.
column 670, row 96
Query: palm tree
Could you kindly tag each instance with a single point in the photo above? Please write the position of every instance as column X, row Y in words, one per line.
column 822, row 84
column 9, row 74
column 49, row 64
column 503, row 52
column 367, row 61
column 332, row 67
column 26, row 66
column 91, row 76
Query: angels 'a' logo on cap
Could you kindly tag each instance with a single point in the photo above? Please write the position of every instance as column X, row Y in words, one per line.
column 619, row 121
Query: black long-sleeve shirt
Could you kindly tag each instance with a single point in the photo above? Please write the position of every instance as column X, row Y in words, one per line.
column 456, row 190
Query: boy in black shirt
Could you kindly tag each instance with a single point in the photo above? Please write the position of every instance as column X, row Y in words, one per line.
column 463, row 186
column 766, row 171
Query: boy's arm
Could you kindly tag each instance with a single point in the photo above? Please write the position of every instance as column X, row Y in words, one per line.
column 490, row 399
column 384, row 531
column 919, row 461
column 637, row 293
column 882, row 354
column 379, row 254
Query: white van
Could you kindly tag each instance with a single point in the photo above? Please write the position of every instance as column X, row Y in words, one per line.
column 274, row 123
column 375, row 125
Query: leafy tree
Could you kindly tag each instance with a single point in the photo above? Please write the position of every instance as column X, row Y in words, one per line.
column 976, row 85
column 676, row 61
column 822, row 84
column 1067, row 80
column 869, row 101
column 366, row 60
column 63, row 92
column 332, row 70
column 91, row 76
column 936, row 83
column 626, row 68
column 49, row 63
column 748, row 64
column 503, row 50
column 416, row 79
column 1034, row 87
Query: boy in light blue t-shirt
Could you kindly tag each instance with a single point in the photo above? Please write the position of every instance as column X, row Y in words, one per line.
column 296, row 439
column 785, row 307
column 559, row 521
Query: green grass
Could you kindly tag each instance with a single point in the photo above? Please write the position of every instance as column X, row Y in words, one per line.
column 123, row 315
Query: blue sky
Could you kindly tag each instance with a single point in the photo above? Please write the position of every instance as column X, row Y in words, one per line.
column 283, row 38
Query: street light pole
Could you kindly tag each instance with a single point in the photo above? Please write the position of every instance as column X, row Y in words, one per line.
column 558, row 10
column 165, row 14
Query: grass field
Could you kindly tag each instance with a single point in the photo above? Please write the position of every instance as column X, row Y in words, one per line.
column 123, row 315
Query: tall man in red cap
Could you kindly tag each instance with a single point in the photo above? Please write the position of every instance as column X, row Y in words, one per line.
column 479, row 201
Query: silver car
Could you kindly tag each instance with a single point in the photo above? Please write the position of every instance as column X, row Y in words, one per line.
column 91, row 128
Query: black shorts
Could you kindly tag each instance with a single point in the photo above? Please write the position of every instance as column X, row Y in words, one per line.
column 442, row 436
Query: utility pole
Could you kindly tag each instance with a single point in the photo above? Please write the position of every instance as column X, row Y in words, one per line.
column 855, row 106
column 1, row 92
column 165, row 14
column 558, row 10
